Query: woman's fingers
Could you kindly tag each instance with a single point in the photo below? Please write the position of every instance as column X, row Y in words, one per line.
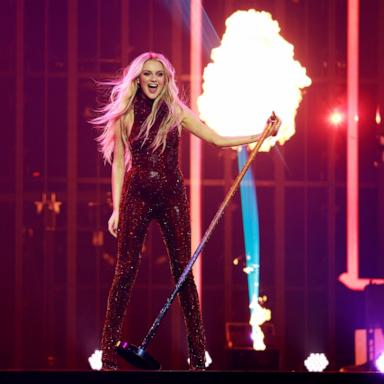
column 113, row 231
column 276, row 122
column 112, row 226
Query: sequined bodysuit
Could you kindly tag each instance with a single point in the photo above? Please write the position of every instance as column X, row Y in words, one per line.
column 153, row 189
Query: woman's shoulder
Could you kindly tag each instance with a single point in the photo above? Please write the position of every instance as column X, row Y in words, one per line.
column 186, row 113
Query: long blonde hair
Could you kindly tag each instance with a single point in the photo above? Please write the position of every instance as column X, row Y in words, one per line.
column 120, row 104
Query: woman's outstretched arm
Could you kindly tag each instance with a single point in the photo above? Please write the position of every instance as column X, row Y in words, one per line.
column 193, row 124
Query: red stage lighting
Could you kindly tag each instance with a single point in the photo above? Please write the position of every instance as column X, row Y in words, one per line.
column 336, row 118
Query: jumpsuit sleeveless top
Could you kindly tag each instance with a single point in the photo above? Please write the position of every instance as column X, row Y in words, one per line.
column 155, row 176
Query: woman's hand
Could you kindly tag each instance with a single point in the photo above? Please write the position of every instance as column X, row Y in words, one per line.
column 113, row 223
column 193, row 124
column 276, row 121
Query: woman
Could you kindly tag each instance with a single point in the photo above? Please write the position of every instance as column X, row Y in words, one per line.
column 140, row 137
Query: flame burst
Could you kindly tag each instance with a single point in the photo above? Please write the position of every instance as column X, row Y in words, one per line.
column 259, row 315
column 252, row 73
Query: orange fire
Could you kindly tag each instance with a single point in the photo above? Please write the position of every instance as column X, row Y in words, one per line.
column 253, row 72
column 259, row 315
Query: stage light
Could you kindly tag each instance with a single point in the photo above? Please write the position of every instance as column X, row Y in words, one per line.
column 95, row 360
column 380, row 363
column 336, row 118
column 316, row 362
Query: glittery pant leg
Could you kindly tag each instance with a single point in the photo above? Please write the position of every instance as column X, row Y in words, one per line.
column 175, row 225
column 135, row 216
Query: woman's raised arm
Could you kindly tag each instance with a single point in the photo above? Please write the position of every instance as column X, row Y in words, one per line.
column 194, row 125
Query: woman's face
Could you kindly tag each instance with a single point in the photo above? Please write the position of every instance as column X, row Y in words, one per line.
column 152, row 78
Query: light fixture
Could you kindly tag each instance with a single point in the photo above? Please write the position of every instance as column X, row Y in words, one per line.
column 316, row 362
column 380, row 363
column 95, row 360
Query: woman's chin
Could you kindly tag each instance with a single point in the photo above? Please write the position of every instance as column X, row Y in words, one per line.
column 151, row 95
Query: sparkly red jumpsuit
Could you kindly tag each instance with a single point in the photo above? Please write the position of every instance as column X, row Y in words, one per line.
column 153, row 189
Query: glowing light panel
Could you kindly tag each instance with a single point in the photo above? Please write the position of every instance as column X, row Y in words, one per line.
column 195, row 143
column 253, row 72
column 316, row 362
column 380, row 363
column 95, row 360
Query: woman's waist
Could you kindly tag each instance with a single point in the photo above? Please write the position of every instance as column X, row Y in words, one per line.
column 150, row 161
column 149, row 170
column 151, row 182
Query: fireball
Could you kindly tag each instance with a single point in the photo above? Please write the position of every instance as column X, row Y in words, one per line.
column 253, row 72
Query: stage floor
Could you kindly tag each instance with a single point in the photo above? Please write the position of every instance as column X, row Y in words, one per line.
column 186, row 377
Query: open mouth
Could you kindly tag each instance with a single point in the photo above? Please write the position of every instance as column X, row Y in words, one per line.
column 153, row 87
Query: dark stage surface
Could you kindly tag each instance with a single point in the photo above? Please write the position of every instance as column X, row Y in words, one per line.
column 186, row 377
